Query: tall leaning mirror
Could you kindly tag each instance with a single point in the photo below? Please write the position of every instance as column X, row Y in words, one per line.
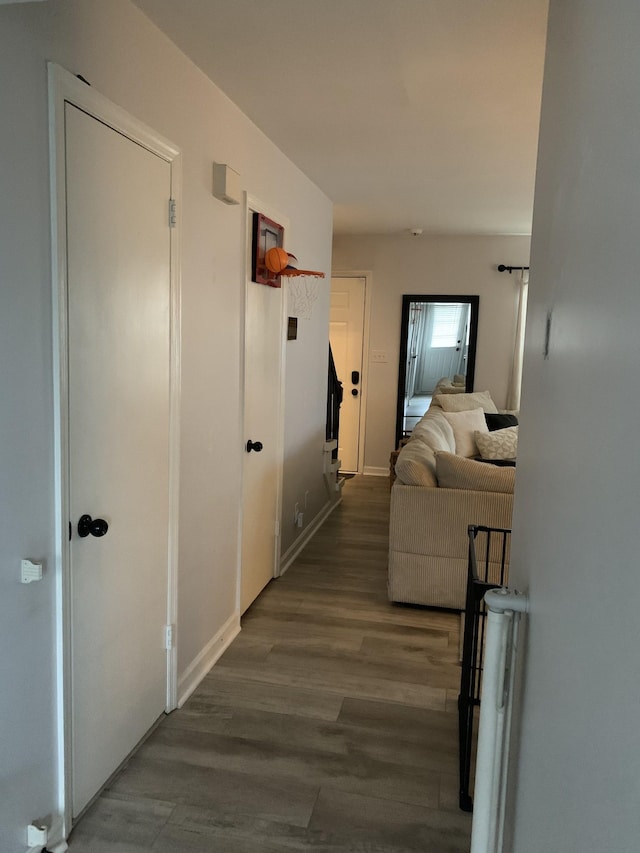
column 437, row 342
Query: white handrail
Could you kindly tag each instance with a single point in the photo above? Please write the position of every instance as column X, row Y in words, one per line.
column 504, row 611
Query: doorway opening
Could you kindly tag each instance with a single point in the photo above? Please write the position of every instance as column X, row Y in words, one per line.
column 349, row 339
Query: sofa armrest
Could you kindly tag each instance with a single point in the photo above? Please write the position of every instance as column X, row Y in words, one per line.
column 434, row 521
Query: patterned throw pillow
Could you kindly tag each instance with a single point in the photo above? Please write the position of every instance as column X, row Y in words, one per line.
column 499, row 444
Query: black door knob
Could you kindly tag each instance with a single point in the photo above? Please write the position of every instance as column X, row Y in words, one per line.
column 93, row 526
column 254, row 445
column 354, row 392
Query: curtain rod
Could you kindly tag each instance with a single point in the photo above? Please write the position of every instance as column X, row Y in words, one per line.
column 503, row 268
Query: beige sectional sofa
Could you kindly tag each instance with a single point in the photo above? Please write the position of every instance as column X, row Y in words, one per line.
column 436, row 495
column 455, row 385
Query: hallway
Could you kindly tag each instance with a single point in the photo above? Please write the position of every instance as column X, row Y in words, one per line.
column 330, row 724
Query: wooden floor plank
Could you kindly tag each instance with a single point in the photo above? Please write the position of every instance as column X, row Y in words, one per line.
column 330, row 724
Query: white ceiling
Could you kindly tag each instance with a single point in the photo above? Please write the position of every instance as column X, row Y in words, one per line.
column 407, row 113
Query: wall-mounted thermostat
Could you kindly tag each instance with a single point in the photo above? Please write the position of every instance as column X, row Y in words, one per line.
column 226, row 184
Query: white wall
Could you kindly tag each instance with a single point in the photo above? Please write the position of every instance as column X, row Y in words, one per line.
column 306, row 391
column 429, row 264
column 576, row 531
column 27, row 660
column 127, row 59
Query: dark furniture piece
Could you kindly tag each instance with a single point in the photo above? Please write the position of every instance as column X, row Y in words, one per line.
column 489, row 549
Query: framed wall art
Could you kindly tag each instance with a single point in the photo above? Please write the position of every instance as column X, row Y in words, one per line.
column 267, row 234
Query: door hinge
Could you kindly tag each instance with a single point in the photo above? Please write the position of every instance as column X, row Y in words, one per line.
column 168, row 637
column 173, row 213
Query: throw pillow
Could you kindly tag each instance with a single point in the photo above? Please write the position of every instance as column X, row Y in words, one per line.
column 454, row 472
column 465, row 425
column 415, row 465
column 499, row 444
column 499, row 421
column 464, row 402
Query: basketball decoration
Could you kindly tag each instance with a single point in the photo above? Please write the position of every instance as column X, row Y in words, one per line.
column 276, row 259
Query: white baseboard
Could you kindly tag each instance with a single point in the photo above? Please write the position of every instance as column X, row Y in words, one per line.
column 202, row 663
column 293, row 550
column 372, row 471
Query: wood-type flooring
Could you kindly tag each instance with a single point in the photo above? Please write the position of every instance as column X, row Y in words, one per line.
column 330, row 723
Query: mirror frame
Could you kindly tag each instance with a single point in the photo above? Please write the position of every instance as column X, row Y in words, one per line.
column 474, row 302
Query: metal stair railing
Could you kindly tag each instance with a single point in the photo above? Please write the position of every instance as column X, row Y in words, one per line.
column 334, row 401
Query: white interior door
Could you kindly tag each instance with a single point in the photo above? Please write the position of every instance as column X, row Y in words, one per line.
column 346, row 333
column 444, row 345
column 118, row 252
column 263, row 367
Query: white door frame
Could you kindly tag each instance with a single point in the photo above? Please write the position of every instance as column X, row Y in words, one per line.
column 251, row 203
column 367, row 275
column 66, row 88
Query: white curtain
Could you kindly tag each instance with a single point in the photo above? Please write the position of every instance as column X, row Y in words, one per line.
column 515, row 383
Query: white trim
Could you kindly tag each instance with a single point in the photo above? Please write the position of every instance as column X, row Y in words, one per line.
column 207, row 657
column 61, row 456
column 66, row 88
column 367, row 276
column 309, row 532
column 175, row 394
column 373, row 471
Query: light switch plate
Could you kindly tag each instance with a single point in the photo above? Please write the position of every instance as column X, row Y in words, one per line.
column 380, row 356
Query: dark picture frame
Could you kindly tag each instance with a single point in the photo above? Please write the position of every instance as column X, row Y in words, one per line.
column 267, row 234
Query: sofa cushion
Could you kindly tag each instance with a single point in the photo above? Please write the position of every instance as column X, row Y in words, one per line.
column 416, row 465
column 500, row 444
column 456, row 472
column 464, row 402
column 499, row 421
column 449, row 389
column 465, row 425
column 434, row 429
column 448, row 386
